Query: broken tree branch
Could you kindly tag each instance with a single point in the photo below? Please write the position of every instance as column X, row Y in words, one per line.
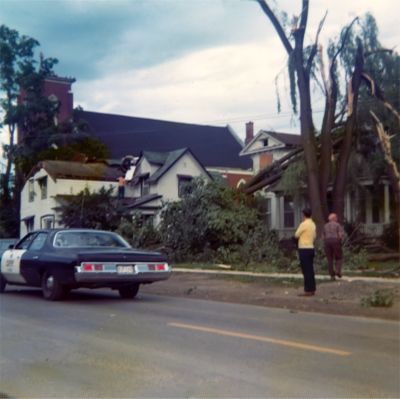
column 277, row 25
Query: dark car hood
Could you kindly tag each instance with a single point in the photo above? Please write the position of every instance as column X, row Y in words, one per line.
column 118, row 255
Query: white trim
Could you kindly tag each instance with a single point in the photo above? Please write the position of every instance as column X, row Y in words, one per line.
column 246, row 172
column 255, row 138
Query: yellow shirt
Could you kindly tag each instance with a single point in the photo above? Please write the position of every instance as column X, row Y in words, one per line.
column 306, row 233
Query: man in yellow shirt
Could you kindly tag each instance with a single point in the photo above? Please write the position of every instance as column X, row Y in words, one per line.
column 306, row 233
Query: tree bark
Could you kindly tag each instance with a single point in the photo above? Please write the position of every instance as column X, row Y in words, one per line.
column 339, row 187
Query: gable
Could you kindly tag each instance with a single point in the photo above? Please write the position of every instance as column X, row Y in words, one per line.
column 214, row 146
column 266, row 141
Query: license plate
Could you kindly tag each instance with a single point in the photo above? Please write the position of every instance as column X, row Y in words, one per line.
column 125, row 269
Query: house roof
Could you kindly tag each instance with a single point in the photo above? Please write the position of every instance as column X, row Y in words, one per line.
column 77, row 170
column 214, row 146
column 289, row 141
column 165, row 160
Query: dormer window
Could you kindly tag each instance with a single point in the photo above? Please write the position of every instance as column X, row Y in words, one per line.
column 144, row 187
column 31, row 190
column 43, row 187
column 265, row 142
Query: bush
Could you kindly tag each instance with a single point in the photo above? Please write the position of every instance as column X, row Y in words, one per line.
column 214, row 222
column 139, row 232
column 380, row 298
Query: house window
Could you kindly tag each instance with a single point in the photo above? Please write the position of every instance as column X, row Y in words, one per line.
column 288, row 211
column 183, row 182
column 377, row 196
column 31, row 190
column 268, row 212
column 144, row 187
column 43, row 187
column 265, row 142
column 29, row 223
column 47, row 222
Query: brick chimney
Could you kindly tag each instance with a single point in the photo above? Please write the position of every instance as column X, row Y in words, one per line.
column 59, row 89
column 249, row 132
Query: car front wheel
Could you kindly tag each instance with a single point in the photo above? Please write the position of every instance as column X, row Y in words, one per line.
column 128, row 292
column 52, row 289
column 3, row 284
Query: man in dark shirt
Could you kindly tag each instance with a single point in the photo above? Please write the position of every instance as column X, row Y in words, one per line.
column 333, row 235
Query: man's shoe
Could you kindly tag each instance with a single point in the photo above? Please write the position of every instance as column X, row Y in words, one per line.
column 339, row 275
column 333, row 278
column 307, row 293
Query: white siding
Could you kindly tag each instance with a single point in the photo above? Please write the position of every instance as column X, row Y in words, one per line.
column 168, row 184
column 40, row 207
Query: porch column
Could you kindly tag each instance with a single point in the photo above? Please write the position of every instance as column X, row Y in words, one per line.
column 347, row 208
column 386, row 203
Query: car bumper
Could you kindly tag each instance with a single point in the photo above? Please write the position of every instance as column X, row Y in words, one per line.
column 111, row 278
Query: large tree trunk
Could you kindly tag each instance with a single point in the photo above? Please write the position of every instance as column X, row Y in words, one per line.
column 339, row 187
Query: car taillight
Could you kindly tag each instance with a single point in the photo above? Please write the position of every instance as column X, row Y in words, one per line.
column 160, row 267
column 90, row 267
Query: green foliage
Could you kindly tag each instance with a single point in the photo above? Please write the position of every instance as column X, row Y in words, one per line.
column 9, row 220
column 214, row 222
column 139, row 232
column 379, row 298
column 294, row 178
column 95, row 210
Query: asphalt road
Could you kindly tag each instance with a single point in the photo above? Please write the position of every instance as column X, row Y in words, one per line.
column 96, row 345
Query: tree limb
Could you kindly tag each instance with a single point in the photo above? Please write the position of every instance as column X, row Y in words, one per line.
column 315, row 46
column 377, row 92
column 277, row 25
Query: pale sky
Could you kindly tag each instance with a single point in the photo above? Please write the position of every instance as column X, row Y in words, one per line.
column 200, row 61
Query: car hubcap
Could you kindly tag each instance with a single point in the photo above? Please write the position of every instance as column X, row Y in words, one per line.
column 50, row 283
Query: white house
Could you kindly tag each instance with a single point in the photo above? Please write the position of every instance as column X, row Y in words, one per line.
column 161, row 177
column 158, row 177
column 264, row 149
column 267, row 147
column 49, row 181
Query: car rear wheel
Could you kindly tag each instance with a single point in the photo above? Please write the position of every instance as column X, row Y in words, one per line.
column 129, row 291
column 52, row 289
column 3, row 284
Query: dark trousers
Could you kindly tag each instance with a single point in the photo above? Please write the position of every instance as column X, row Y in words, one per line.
column 334, row 254
column 121, row 192
column 306, row 257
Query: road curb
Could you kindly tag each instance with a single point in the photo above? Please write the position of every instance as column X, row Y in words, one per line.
column 395, row 280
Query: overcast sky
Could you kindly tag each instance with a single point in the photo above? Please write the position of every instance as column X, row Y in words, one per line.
column 201, row 61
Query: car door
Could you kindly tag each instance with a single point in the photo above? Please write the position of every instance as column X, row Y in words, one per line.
column 32, row 259
column 11, row 260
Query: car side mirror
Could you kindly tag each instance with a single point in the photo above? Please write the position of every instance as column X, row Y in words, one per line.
column 11, row 246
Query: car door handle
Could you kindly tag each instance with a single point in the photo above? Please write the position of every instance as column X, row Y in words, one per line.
column 35, row 257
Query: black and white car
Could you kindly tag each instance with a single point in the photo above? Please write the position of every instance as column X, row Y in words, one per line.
column 63, row 259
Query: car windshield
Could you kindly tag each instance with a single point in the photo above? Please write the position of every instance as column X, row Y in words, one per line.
column 75, row 239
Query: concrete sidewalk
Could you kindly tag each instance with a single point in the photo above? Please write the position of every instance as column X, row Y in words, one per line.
column 395, row 280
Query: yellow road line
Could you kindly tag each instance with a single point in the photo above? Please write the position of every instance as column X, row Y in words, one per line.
column 292, row 344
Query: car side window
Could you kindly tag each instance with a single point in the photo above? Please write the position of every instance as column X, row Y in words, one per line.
column 38, row 242
column 26, row 241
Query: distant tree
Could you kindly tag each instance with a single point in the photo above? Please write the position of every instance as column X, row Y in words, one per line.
column 26, row 107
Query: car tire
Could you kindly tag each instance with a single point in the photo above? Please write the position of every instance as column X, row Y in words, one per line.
column 129, row 291
column 3, row 284
column 52, row 289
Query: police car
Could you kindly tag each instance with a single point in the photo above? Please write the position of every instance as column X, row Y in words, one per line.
column 63, row 259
